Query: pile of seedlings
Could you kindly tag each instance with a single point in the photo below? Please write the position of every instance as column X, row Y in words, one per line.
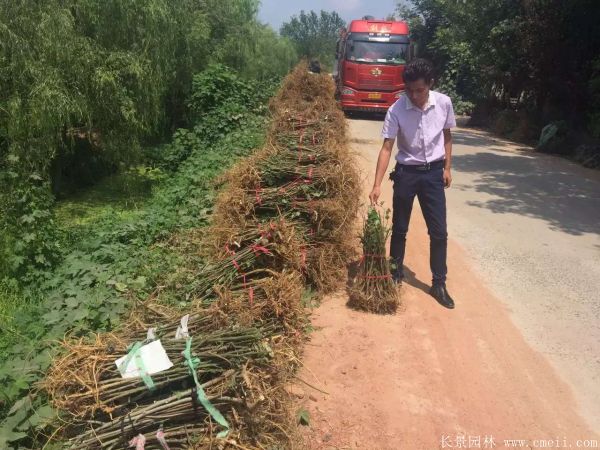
column 281, row 227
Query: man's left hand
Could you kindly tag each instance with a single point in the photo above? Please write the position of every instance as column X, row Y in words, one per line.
column 447, row 178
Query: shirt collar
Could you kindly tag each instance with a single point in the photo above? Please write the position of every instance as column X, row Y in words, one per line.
column 430, row 102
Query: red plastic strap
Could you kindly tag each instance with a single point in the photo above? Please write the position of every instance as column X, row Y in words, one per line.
column 266, row 232
column 310, row 171
column 257, row 192
column 228, row 250
column 138, row 442
column 260, row 249
column 160, row 437
column 235, row 264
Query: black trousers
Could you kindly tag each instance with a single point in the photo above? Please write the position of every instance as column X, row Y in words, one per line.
column 428, row 186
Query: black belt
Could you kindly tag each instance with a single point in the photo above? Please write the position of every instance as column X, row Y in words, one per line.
column 439, row 164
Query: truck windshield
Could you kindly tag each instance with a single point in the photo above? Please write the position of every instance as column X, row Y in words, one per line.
column 377, row 52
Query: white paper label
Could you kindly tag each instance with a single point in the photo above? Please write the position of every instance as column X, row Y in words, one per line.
column 154, row 357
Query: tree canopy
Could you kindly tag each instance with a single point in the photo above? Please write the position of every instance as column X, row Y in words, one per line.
column 541, row 53
column 314, row 34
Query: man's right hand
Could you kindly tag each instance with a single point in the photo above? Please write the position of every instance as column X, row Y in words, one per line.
column 382, row 163
column 374, row 195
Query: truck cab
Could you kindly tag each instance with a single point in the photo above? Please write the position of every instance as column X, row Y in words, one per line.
column 370, row 60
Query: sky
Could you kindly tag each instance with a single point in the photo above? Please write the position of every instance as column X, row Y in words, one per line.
column 275, row 12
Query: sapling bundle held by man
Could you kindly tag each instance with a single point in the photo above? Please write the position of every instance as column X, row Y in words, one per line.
column 373, row 289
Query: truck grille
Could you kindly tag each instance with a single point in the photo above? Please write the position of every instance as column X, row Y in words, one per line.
column 370, row 83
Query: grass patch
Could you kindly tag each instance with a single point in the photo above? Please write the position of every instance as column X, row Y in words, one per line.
column 121, row 195
column 11, row 301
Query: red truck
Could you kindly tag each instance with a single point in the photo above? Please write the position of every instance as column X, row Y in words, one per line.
column 370, row 59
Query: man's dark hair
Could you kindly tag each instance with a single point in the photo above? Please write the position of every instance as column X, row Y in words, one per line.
column 418, row 68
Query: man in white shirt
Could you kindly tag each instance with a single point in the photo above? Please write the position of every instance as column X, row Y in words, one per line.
column 420, row 120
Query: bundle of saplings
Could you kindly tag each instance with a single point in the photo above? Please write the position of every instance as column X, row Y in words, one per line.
column 373, row 289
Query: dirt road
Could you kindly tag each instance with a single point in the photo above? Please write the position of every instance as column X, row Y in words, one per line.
column 519, row 357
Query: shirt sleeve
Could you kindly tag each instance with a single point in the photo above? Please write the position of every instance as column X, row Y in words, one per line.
column 450, row 119
column 390, row 125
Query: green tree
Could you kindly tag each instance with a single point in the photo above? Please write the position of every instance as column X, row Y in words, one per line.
column 540, row 52
column 92, row 81
column 74, row 72
column 314, row 34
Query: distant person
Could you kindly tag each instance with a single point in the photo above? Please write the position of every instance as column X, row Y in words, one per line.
column 314, row 66
column 420, row 120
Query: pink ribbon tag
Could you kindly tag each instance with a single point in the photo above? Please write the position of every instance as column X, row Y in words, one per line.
column 138, row 442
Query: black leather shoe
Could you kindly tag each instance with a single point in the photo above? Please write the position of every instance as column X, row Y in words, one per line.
column 440, row 293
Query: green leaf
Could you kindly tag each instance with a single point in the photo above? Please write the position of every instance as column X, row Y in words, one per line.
column 22, row 403
column 41, row 417
column 28, row 219
column 139, row 282
column 80, row 314
column 72, row 302
column 14, row 422
column 121, row 287
column 7, row 435
column 52, row 317
column 303, row 417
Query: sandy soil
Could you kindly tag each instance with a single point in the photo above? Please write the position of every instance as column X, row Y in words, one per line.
column 428, row 377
